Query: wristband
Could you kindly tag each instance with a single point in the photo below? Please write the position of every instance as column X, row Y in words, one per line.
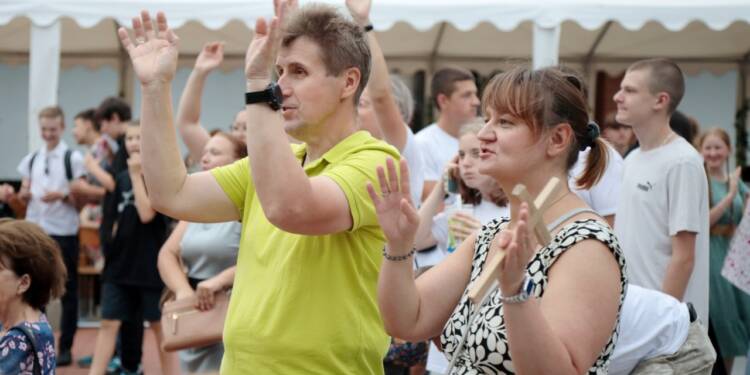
column 398, row 258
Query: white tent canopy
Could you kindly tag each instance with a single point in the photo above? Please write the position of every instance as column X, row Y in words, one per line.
column 483, row 35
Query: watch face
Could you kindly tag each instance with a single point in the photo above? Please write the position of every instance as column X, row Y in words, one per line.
column 276, row 97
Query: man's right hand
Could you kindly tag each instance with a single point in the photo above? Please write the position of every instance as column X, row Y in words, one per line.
column 360, row 11
column 153, row 52
column 210, row 57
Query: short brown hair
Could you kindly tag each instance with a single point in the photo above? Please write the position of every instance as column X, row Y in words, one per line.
column 90, row 116
column 239, row 148
column 26, row 250
column 444, row 82
column 664, row 76
column 544, row 99
column 342, row 43
column 52, row 112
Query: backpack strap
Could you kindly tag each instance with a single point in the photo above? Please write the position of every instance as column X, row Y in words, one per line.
column 37, row 369
column 31, row 162
column 68, row 165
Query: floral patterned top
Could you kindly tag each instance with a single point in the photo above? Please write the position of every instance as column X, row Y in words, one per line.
column 486, row 350
column 15, row 355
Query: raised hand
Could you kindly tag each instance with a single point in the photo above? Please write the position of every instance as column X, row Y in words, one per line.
column 397, row 217
column 360, row 11
column 261, row 53
column 153, row 52
column 282, row 9
column 518, row 245
column 210, row 57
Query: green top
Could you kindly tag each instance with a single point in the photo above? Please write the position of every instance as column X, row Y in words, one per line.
column 308, row 304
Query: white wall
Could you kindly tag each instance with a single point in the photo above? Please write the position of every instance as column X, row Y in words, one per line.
column 711, row 99
column 82, row 88
column 14, row 102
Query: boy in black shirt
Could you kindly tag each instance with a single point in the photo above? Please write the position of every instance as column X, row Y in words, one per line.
column 131, row 285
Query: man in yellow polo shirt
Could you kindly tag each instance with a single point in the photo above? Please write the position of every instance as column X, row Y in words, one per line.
column 304, row 298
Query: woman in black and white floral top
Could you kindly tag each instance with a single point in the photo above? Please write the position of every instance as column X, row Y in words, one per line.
column 557, row 307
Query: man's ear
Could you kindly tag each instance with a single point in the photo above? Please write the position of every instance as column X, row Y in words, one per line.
column 352, row 82
column 442, row 100
column 662, row 101
column 559, row 140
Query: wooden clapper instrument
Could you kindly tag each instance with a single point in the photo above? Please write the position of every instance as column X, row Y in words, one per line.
column 487, row 281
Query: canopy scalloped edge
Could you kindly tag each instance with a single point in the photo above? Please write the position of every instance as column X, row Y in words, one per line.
column 503, row 14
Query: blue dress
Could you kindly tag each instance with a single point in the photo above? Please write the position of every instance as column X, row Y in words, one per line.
column 15, row 349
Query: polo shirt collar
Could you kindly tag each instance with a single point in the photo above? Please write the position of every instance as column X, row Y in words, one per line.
column 337, row 152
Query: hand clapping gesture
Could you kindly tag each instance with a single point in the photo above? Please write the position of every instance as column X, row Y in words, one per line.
column 261, row 53
column 397, row 217
column 519, row 246
column 210, row 57
column 360, row 11
column 153, row 52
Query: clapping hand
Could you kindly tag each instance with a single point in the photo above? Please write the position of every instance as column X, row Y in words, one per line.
column 396, row 215
column 261, row 53
column 734, row 181
column 153, row 52
column 519, row 246
column 210, row 57
column 360, row 11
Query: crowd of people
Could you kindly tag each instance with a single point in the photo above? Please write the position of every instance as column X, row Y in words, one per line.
column 350, row 244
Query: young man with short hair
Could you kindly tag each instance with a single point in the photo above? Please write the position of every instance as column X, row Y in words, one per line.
column 662, row 223
column 47, row 175
column 304, row 298
column 454, row 94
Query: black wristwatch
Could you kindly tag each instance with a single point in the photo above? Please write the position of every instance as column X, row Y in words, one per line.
column 271, row 95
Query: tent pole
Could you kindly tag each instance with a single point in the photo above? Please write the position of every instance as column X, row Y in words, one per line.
column 44, row 75
column 590, row 55
column 546, row 46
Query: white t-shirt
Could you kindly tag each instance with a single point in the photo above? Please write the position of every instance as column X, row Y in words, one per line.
column 48, row 174
column 437, row 148
column 664, row 191
column 416, row 167
column 603, row 196
column 651, row 324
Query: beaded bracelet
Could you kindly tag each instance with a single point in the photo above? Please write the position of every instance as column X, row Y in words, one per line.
column 398, row 258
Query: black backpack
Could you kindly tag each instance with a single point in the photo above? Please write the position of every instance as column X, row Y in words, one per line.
column 68, row 165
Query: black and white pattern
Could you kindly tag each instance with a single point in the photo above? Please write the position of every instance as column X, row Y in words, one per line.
column 486, row 349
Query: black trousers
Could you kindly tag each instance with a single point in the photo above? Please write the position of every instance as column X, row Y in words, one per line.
column 69, row 320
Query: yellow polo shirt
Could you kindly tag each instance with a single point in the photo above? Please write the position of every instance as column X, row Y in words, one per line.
column 308, row 304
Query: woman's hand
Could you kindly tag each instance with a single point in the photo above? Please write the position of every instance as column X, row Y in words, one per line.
column 206, row 291
column 153, row 52
column 734, row 182
column 519, row 246
column 184, row 293
column 397, row 217
column 210, row 57
column 463, row 225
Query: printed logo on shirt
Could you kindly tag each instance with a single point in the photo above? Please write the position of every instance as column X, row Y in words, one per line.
column 645, row 187
column 127, row 199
